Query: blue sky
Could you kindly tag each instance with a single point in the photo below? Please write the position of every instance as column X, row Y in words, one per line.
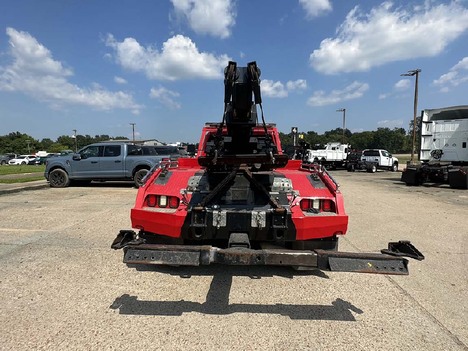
column 97, row 66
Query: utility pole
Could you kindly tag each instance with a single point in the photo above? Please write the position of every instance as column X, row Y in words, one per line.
column 76, row 143
column 344, row 122
column 294, row 131
column 414, row 72
column 133, row 130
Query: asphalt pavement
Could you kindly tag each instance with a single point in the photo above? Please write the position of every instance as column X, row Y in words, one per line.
column 63, row 288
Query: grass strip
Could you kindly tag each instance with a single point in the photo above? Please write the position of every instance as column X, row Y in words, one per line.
column 21, row 180
column 20, row 169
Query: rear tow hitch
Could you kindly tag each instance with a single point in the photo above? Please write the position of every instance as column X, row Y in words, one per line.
column 403, row 248
column 390, row 261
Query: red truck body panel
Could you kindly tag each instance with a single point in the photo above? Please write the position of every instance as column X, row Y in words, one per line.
column 168, row 222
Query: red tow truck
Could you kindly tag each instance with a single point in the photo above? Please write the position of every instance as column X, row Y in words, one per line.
column 241, row 201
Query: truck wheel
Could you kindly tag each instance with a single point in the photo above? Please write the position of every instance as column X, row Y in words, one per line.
column 372, row 169
column 58, row 178
column 395, row 167
column 3, row 162
column 138, row 177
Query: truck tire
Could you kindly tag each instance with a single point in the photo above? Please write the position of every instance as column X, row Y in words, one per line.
column 3, row 162
column 58, row 178
column 395, row 167
column 372, row 169
column 139, row 175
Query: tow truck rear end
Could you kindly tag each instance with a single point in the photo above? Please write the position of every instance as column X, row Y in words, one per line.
column 242, row 202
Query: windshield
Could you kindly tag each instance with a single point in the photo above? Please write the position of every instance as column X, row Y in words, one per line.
column 371, row 153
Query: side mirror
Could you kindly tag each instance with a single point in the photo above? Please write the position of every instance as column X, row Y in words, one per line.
column 76, row 157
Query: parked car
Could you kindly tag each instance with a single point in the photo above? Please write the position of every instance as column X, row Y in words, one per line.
column 103, row 161
column 42, row 160
column 22, row 160
column 4, row 159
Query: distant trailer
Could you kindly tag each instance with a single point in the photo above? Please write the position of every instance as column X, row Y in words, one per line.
column 443, row 150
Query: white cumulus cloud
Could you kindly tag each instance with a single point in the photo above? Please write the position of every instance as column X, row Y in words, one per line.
column 179, row 58
column 457, row 75
column 400, row 87
column 299, row 84
column 386, row 34
column 402, row 84
column 273, row 89
column 212, row 17
column 120, row 80
column 166, row 97
column 279, row 90
column 315, row 8
column 390, row 123
column 35, row 72
column 353, row 91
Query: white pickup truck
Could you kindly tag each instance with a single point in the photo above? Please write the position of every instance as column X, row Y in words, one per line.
column 373, row 159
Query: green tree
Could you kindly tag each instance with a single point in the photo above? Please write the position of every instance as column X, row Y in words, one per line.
column 18, row 143
column 362, row 140
column 315, row 140
column 286, row 139
column 336, row 134
column 57, row 147
column 67, row 141
column 417, row 142
column 391, row 140
column 45, row 144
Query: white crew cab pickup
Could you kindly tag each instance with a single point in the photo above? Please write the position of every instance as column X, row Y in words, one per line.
column 379, row 158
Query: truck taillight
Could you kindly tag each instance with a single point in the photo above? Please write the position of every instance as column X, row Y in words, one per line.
column 151, row 200
column 173, row 201
column 317, row 205
column 327, row 206
column 162, row 201
column 305, row 204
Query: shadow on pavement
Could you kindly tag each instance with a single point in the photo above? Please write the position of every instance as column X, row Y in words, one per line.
column 217, row 299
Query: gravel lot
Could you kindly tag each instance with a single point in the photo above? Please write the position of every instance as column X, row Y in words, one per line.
column 63, row 288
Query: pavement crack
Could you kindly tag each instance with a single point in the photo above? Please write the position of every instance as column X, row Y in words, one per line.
column 428, row 313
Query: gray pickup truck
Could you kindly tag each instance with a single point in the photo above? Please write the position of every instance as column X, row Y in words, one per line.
column 102, row 161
